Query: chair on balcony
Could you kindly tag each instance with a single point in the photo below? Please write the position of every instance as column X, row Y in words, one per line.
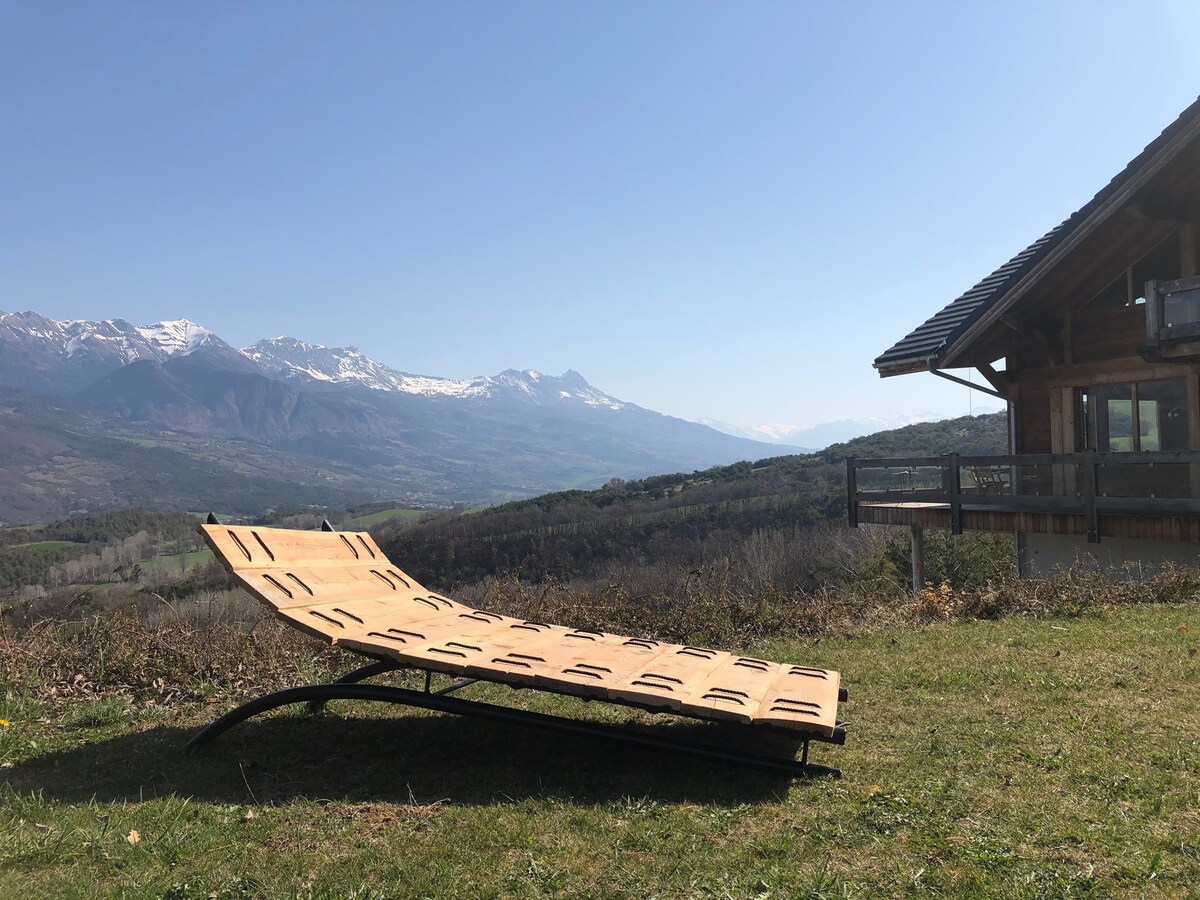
column 990, row 480
column 340, row 587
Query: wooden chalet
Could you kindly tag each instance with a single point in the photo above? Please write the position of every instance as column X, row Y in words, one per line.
column 1092, row 337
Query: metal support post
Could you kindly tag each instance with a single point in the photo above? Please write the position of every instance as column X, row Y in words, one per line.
column 918, row 558
column 955, row 495
column 1089, row 496
column 851, row 493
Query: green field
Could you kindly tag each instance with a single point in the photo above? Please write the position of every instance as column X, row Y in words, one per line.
column 1047, row 757
column 362, row 523
column 170, row 562
column 45, row 545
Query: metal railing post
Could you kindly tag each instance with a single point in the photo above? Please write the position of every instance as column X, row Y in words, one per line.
column 955, row 495
column 1089, row 496
column 851, row 493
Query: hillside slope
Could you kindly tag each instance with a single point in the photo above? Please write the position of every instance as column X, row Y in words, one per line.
column 58, row 463
column 570, row 533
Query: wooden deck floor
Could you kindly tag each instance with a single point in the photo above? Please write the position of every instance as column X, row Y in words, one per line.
column 990, row 518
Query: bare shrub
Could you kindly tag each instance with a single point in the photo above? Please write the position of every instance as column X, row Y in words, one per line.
column 804, row 559
column 207, row 610
column 118, row 653
column 733, row 591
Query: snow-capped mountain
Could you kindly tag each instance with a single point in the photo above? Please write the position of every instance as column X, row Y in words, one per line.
column 171, row 338
column 317, row 418
column 771, row 434
column 42, row 354
column 292, row 360
column 823, row 434
column 60, row 357
column 112, row 338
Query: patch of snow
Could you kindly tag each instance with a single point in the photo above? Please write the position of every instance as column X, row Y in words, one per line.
column 347, row 365
column 175, row 337
column 825, row 433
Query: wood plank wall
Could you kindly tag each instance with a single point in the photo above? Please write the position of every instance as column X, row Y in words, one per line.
column 1171, row 528
column 1108, row 334
column 1033, row 420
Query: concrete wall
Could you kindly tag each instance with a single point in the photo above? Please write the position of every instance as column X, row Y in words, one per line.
column 1042, row 554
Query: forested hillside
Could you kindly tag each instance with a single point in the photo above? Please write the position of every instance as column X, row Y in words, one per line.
column 29, row 555
column 572, row 533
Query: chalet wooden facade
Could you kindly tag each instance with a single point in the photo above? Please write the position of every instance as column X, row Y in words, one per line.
column 1092, row 336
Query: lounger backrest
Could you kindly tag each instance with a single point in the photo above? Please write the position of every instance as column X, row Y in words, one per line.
column 321, row 580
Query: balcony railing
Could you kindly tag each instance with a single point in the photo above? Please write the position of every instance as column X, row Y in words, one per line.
column 1084, row 484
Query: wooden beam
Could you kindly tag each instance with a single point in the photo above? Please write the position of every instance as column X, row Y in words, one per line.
column 1051, row 345
column 1056, row 429
column 998, row 380
column 1193, row 405
column 1157, row 211
column 1064, row 476
column 1193, row 401
column 1109, row 371
column 1067, row 402
column 906, row 367
column 1189, row 251
column 1090, row 280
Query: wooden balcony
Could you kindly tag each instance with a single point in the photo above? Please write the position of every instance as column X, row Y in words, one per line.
column 1129, row 495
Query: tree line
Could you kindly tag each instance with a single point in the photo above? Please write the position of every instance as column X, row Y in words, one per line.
column 673, row 518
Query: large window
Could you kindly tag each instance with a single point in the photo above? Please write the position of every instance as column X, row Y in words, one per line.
column 1132, row 418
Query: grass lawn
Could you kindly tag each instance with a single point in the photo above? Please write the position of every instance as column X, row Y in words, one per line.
column 1020, row 758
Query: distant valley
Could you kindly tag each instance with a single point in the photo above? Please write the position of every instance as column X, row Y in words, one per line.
column 816, row 437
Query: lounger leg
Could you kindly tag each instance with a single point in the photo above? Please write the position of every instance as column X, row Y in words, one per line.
column 792, row 768
column 458, row 686
column 360, row 674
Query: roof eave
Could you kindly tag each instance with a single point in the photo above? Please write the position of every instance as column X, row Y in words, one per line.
column 958, row 344
column 906, row 366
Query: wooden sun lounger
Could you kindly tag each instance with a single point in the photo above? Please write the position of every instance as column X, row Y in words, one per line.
column 339, row 586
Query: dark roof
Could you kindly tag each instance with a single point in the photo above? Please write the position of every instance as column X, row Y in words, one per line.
column 931, row 340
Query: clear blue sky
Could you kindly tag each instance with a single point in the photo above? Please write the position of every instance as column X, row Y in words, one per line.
column 707, row 208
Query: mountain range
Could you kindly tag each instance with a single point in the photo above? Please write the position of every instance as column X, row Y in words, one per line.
column 90, row 411
column 816, row 437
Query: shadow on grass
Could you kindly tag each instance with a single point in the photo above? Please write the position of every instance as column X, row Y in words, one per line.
column 403, row 759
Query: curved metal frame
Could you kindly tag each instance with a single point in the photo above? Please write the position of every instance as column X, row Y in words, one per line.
column 318, row 694
column 379, row 667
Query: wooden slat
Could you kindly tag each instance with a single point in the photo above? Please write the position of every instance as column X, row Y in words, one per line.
column 801, row 696
column 734, row 689
column 669, row 676
column 243, row 546
column 605, row 661
column 289, row 586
